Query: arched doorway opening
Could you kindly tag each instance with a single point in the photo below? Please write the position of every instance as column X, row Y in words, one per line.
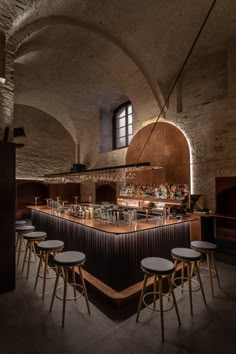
column 106, row 193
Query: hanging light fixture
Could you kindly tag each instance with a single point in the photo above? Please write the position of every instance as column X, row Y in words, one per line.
column 106, row 174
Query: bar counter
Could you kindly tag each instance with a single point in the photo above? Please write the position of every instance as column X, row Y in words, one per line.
column 113, row 252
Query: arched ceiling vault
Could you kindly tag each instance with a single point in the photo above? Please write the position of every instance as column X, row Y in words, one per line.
column 75, row 56
column 61, row 46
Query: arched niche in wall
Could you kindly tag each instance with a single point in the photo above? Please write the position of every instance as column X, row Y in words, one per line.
column 106, row 193
column 167, row 147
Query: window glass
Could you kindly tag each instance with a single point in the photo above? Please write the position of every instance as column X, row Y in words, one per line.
column 129, row 138
column 121, row 113
column 121, row 132
column 130, row 119
column 121, row 142
column 122, row 125
column 121, row 122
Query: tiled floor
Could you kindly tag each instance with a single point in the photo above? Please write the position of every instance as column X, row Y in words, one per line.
column 27, row 327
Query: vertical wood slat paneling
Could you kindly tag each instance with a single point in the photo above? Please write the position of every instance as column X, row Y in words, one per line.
column 114, row 258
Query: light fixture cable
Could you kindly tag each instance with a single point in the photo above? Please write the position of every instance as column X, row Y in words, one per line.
column 178, row 76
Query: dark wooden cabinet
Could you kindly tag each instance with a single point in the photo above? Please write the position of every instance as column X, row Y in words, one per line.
column 225, row 219
column 7, row 216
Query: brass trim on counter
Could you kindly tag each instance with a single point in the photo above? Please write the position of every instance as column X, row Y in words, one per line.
column 116, row 228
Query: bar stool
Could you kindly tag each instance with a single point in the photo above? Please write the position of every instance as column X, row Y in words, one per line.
column 159, row 268
column 45, row 248
column 190, row 258
column 21, row 229
column 32, row 238
column 20, row 222
column 208, row 249
column 66, row 261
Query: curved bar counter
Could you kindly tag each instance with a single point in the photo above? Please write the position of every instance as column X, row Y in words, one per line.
column 113, row 252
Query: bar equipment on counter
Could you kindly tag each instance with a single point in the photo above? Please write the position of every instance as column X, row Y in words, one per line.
column 76, row 197
column 36, row 200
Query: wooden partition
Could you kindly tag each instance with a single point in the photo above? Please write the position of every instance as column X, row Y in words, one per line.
column 166, row 147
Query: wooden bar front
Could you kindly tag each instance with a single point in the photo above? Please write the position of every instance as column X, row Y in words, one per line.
column 113, row 253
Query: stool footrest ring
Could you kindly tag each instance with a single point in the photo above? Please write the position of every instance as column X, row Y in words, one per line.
column 196, row 282
column 205, row 274
column 170, row 307
column 41, row 273
column 73, row 297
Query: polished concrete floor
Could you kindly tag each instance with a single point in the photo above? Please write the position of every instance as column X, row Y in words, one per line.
column 27, row 326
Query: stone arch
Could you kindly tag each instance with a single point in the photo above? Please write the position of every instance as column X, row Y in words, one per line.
column 18, row 37
column 48, row 146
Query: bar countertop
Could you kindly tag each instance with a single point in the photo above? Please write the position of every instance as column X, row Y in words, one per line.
column 115, row 228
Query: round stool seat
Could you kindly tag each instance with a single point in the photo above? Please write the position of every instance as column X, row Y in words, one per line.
column 156, row 265
column 203, row 246
column 186, row 254
column 20, row 222
column 69, row 258
column 35, row 235
column 51, row 245
column 26, row 228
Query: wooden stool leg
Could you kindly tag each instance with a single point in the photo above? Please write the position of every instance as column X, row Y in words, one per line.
column 73, row 280
column 25, row 256
column 58, row 270
column 174, row 298
column 173, row 275
column 29, row 259
column 45, row 273
column 190, row 287
column 141, row 296
column 210, row 272
column 154, row 291
column 161, row 307
column 19, row 249
column 64, row 296
column 84, row 287
column 192, row 269
column 17, row 240
column 182, row 277
column 175, row 268
column 214, row 264
column 40, row 264
column 200, row 282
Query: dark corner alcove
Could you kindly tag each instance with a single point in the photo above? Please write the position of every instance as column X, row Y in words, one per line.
column 106, row 193
column 25, row 193
column 225, row 220
column 226, row 196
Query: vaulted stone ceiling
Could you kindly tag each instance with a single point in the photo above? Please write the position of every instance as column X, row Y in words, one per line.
column 76, row 57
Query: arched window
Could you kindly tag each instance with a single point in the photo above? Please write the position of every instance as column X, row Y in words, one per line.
column 122, row 125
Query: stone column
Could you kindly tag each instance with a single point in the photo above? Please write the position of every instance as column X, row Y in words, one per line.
column 231, row 68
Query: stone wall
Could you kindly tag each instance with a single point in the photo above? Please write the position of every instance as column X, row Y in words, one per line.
column 208, row 120
column 48, row 147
